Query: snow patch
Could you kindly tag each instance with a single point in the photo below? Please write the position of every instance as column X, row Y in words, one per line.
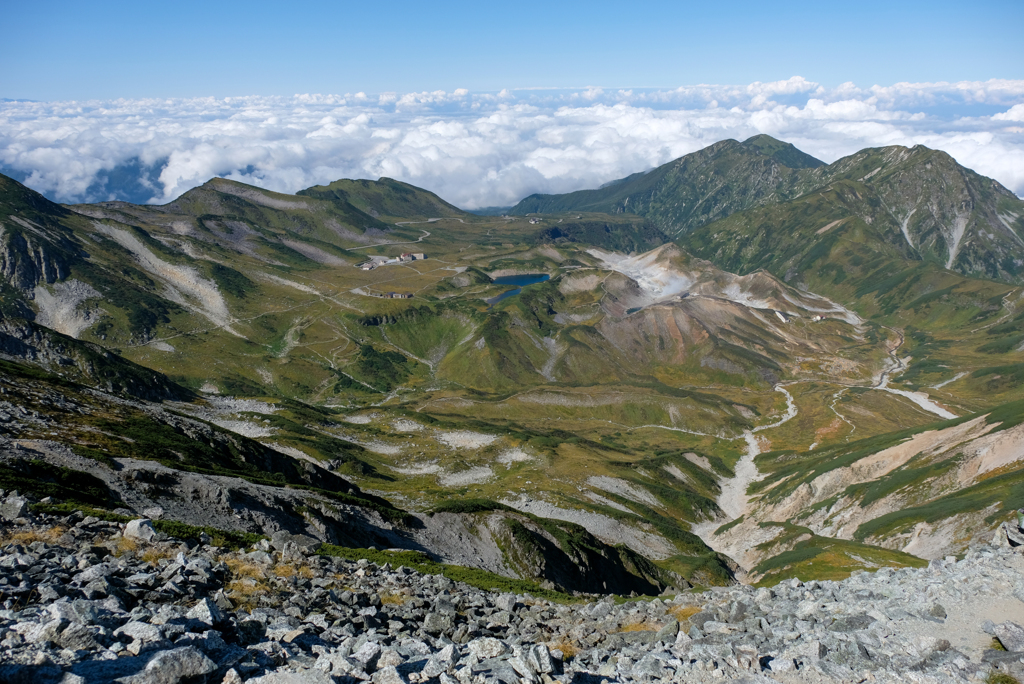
column 513, row 455
column 381, row 448
column 603, row 501
column 465, row 439
column 829, row 227
column 951, row 380
column 674, row 470
column 603, row 527
column 477, row 475
column 905, row 228
column 288, row 283
column 258, row 197
column 315, row 253
column 290, row 451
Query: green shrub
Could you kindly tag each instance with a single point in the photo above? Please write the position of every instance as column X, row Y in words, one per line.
column 468, row 506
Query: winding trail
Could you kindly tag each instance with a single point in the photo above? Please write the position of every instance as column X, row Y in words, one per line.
column 425, row 235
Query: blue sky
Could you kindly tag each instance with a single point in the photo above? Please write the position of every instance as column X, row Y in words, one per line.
column 485, row 103
column 60, row 50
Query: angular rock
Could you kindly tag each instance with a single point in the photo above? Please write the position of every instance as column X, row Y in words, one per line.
column 46, row 632
column 505, row 602
column 13, row 507
column 668, row 632
column 388, row 675
column 285, row 677
column 139, row 631
column 486, row 647
column 173, row 667
column 438, row 623
column 207, row 612
column 367, row 655
column 140, row 529
column 1010, row 635
column 539, row 658
column 77, row 638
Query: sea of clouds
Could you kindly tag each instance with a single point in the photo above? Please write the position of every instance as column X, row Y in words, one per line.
column 485, row 149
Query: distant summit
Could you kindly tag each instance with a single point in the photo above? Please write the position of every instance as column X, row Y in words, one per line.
column 919, row 201
column 693, row 190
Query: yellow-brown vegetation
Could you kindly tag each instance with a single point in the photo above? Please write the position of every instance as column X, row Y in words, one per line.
column 393, row 599
column 125, row 545
column 241, row 568
column 684, row 613
column 48, row 536
column 569, row 649
column 288, row 570
column 640, row 627
column 154, row 554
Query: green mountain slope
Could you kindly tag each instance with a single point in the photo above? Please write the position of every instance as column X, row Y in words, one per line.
column 918, row 201
column 384, row 197
column 693, row 190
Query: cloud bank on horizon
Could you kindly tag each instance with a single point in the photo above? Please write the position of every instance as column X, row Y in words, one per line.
column 485, row 149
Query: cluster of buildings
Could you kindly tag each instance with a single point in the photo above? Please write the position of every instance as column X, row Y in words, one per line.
column 376, row 261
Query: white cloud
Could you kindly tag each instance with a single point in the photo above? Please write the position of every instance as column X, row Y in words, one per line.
column 480, row 149
column 1014, row 113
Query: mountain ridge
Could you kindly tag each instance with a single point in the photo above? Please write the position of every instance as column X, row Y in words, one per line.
column 943, row 212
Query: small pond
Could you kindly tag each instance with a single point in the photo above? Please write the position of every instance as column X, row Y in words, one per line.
column 520, row 281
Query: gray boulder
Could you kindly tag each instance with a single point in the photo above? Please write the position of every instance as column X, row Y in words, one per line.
column 304, row 677
column 438, row 623
column 13, row 507
column 1010, row 635
column 140, row 529
column 174, row 666
column 206, row 611
column 486, row 647
column 668, row 632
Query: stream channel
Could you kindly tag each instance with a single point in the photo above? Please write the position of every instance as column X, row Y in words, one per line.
column 733, row 498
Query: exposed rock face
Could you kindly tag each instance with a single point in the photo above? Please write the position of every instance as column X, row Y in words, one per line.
column 83, row 602
column 23, row 340
column 30, row 257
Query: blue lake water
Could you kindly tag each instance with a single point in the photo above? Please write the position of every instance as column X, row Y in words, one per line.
column 520, row 281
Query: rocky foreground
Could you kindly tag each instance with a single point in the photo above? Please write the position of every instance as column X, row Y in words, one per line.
column 87, row 600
